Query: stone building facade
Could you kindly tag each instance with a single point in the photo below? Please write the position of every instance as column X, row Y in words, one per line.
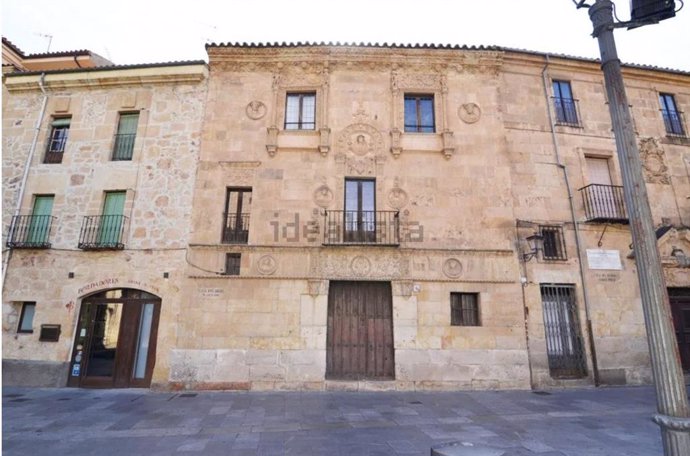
column 67, row 157
column 355, row 217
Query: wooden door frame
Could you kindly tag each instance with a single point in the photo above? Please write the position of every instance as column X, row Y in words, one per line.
column 135, row 305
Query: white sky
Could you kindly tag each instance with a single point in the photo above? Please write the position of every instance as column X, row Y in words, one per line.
column 147, row 31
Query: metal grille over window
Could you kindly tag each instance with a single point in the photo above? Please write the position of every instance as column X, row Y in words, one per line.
column 300, row 111
column 673, row 119
column 232, row 263
column 57, row 141
column 554, row 244
column 419, row 113
column 125, row 137
column 564, row 104
column 464, row 309
column 564, row 344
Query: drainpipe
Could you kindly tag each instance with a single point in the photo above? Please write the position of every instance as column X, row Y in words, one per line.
column 578, row 243
column 27, row 165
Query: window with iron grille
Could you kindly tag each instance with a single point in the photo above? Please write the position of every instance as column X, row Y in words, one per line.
column 58, row 140
column 419, row 113
column 554, row 244
column 564, row 104
column 26, row 319
column 232, row 263
column 238, row 203
column 673, row 119
column 123, row 148
column 464, row 309
column 300, row 111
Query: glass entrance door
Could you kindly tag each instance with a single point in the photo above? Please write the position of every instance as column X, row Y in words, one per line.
column 115, row 343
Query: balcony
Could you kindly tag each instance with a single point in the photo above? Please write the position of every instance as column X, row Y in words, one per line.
column 566, row 110
column 102, row 232
column 235, row 228
column 674, row 123
column 604, row 203
column 30, row 232
column 362, row 228
column 124, row 147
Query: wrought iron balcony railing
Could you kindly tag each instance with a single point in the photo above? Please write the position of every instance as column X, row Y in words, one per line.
column 604, row 203
column 124, row 146
column 674, row 123
column 102, row 232
column 235, row 228
column 362, row 227
column 30, row 232
column 567, row 112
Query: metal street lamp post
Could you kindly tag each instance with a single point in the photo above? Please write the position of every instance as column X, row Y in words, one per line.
column 672, row 400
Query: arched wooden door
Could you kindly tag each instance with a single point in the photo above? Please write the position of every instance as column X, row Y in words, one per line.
column 115, row 343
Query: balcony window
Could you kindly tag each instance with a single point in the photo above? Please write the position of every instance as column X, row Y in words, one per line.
column 125, row 137
column 564, row 104
column 105, row 231
column 673, row 119
column 238, row 203
column 419, row 114
column 33, row 231
column 58, row 140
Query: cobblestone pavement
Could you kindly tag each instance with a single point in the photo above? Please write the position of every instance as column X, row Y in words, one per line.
column 583, row 422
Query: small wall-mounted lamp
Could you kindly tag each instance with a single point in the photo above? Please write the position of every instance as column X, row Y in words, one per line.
column 536, row 243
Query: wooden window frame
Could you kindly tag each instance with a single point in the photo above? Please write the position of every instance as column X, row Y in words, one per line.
column 300, row 123
column 23, row 314
column 418, row 127
column 54, row 155
column 231, row 258
column 457, row 315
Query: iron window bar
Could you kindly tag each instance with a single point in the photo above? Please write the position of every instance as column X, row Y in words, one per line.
column 362, row 228
column 674, row 121
column 30, row 232
column 553, row 243
column 604, row 203
column 567, row 111
column 235, row 228
column 102, row 232
column 464, row 309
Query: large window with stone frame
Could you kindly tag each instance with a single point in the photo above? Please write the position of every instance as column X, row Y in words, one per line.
column 419, row 113
column 300, row 111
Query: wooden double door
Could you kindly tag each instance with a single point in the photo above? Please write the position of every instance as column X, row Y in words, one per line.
column 115, row 343
column 360, row 331
column 680, row 310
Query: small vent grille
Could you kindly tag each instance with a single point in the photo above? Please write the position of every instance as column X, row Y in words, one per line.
column 50, row 333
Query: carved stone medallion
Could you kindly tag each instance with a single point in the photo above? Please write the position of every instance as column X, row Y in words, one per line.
column 397, row 197
column 359, row 144
column 323, row 196
column 452, row 268
column 652, row 156
column 255, row 110
column 360, row 266
column 470, row 113
column 267, row 265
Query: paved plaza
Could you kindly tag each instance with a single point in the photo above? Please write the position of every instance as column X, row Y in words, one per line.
column 583, row 422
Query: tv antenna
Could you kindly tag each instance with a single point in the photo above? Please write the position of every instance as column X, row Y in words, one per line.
column 50, row 39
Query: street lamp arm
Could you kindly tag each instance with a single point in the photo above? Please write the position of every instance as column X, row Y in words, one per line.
column 581, row 4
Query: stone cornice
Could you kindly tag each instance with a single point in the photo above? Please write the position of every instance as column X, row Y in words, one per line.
column 312, row 59
column 190, row 74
